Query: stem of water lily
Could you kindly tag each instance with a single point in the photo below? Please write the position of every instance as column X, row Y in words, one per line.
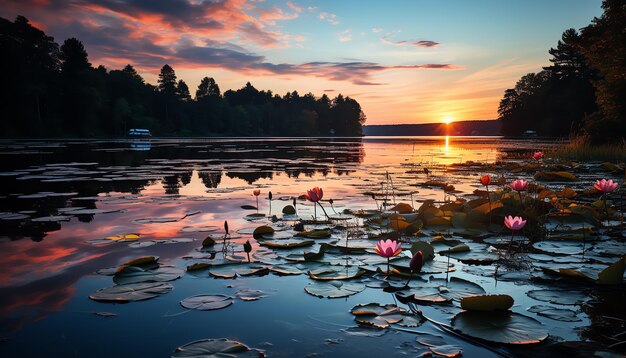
column 388, row 267
column 508, row 250
column 489, row 199
column 247, row 253
column 410, row 278
column 606, row 209
column 257, row 204
column 314, row 212
column 324, row 210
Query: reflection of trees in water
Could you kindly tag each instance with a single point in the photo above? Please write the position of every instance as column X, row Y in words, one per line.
column 606, row 311
column 173, row 183
column 257, row 160
column 210, row 179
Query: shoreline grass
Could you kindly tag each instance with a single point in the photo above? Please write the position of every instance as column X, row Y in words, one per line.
column 580, row 148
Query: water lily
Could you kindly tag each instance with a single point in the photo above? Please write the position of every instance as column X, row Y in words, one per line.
column 514, row 224
column 519, row 185
column 315, row 195
column 605, row 186
column 485, row 180
column 538, row 156
column 388, row 249
column 256, row 193
column 415, row 264
column 247, row 247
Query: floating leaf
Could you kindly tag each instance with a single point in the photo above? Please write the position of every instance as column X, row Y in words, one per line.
column 555, row 176
column 487, row 303
column 143, row 261
column 287, row 244
column 447, row 350
column 402, row 208
column 561, row 297
column 289, row 210
column 614, row 274
column 427, row 250
column 126, row 237
column 500, row 327
column 207, row 302
column 329, row 274
column 377, row 315
column 557, row 314
column 262, row 230
column 248, row 207
column 132, row 292
column 333, row 289
column 250, row 295
column 134, row 274
column 457, row 248
column 222, row 347
column 232, row 271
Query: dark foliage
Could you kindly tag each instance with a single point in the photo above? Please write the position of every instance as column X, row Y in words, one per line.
column 54, row 91
column 583, row 91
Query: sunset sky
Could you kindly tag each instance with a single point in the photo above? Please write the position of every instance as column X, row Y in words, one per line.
column 404, row 61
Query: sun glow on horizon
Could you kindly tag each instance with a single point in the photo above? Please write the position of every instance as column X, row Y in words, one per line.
column 448, row 119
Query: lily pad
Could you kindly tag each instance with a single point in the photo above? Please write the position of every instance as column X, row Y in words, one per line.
column 232, row 271
column 500, row 327
column 334, row 289
column 250, row 295
column 377, row 315
column 558, row 296
column 132, row 292
column 207, row 302
column 487, row 303
column 287, row 244
column 134, row 274
column 222, row 347
column 558, row 314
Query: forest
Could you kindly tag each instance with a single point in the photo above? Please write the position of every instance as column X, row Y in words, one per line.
column 54, row 91
column 583, row 91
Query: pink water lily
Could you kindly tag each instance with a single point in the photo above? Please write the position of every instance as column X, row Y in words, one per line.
column 514, row 223
column 388, row 249
column 605, row 186
column 519, row 185
column 314, row 194
column 256, row 192
column 538, row 156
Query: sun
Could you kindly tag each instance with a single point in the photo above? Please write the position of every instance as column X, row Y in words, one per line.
column 448, row 119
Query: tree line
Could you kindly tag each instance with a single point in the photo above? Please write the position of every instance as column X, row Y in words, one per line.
column 54, row 91
column 583, row 91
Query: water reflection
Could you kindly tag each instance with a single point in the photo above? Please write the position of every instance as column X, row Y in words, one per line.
column 96, row 189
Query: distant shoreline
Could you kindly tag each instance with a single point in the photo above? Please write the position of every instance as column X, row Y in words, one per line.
column 489, row 127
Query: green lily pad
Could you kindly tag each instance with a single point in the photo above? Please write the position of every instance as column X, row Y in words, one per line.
column 207, row 302
column 500, row 327
column 333, row 289
column 132, row 292
column 207, row 348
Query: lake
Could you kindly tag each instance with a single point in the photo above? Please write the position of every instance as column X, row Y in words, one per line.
column 74, row 211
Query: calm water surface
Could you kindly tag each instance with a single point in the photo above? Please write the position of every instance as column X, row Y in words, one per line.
column 60, row 198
